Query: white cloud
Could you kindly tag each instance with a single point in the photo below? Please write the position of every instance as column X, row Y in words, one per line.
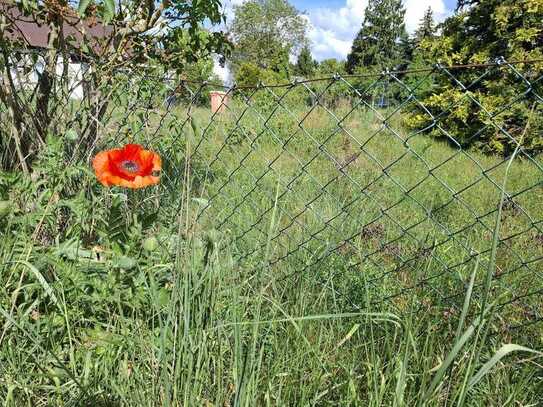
column 414, row 11
column 228, row 7
column 326, row 44
column 333, row 30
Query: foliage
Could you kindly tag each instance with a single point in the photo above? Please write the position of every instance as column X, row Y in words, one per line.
column 115, row 297
column 195, row 75
column 488, row 30
column 380, row 43
column 180, row 48
column 291, row 237
column 105, row 38
column 306, row 65
column 266, row 33
column 249, row 76
column 331, row 66
column 427, row 28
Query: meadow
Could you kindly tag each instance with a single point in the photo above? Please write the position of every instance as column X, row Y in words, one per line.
column 289, row 256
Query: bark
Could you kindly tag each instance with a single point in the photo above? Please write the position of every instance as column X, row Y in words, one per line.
column 15, row 139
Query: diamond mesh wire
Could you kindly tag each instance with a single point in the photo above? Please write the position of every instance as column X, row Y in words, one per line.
column 378, row 182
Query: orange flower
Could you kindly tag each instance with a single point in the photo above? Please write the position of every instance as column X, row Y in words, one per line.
column 129, row 167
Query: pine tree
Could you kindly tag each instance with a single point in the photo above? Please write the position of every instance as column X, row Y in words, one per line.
column 379, row 42
column 305, row 65
column 427, row 27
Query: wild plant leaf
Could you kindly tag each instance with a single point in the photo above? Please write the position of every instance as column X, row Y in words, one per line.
column 72, row 250
column 43, row 282
column 116, row 227
column 5, row 208
column 195, row 128
column 71, row 135
column 201, row 201
column 124, row 262
column 147, row 219
column 457, row 347
column 351, row 332
column 109, row 9
column 150, row 244
column 83, row 4
column 499, row 355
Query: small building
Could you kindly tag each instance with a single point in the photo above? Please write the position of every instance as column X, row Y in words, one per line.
column 219, row 101
column 29, row 37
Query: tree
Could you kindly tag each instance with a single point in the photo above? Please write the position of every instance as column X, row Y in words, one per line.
column 378, row 44
column 130, row 33
column 306, row 65
column 462, row 4
column 331, row 66
column 427, row 27
column 266, row 33
column 487, row 31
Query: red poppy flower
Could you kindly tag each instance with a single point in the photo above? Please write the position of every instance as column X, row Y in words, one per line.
column 130, row 167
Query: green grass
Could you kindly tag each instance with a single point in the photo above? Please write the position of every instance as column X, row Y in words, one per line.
column 193, row 293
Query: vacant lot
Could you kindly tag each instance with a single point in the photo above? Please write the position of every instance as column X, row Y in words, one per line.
column 289, row 257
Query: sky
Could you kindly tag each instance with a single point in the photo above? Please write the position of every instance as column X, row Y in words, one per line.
column 333, row 24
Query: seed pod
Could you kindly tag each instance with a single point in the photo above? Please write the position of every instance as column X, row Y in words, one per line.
column 150, row 244
column 5, row 208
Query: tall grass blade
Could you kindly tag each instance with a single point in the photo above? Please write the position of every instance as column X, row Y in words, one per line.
column 499, row 355
column 43, row 282
column 467, row 299
column 458, row 345
column 401, row 382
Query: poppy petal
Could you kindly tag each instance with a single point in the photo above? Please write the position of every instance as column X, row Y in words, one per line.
column 131, row 151
column 129, row 167
column 157, row 162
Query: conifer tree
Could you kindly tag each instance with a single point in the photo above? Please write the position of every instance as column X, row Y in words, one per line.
column 486, row 31
column 378, row 44
column 427, row 27
column 305, row 65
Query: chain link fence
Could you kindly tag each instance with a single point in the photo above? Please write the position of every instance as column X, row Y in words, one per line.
column 384, row 186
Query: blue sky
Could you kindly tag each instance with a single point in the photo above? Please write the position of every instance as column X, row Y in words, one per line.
column 333, row 24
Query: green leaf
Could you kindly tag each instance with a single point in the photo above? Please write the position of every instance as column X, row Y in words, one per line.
column 5, row 208
column 501, row 353
column 71, row 135
column 457, row 347
column 195, row 128
column 348, row 336
column 109, row 9
column 116, row 227
column 201, row 201
column 72, row 250
column 83, row 4
column 150, row 244
column 46, row 287
column 124, row 262
column 467, row 300
column 84, row 46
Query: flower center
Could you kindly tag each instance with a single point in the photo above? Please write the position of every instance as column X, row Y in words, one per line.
column 130, row 166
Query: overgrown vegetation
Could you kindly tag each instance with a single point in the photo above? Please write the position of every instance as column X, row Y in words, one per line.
column 489, row 114
column 115, row 297
column 486, row 114
column 71, row 53
column 308, row 246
